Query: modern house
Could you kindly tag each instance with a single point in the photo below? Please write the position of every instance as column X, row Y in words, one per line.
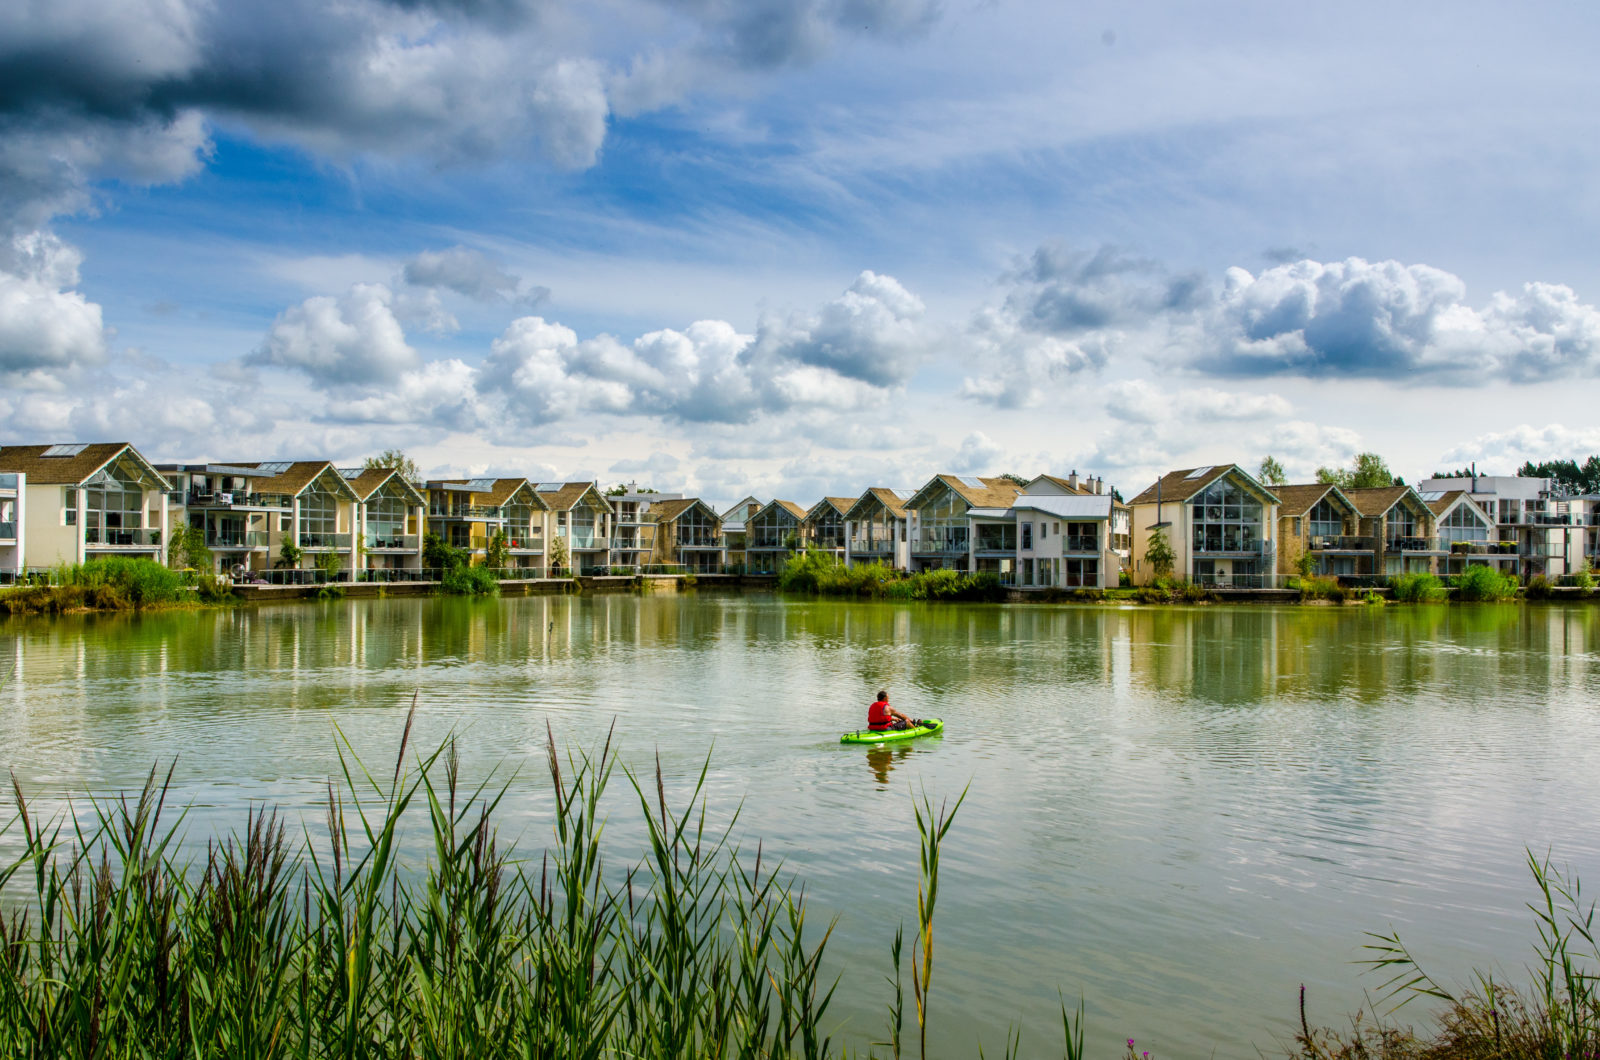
column 581, row 519
column 876, row 530
column 313, row 510
column 1065, row 541
column 1220, row 523
column 1401, row 526
column 1316, row 519
column 391, row 514
column 633, row 537
column 1120, row 526
column 73, row 502
column 772, row 535
column 224, row 503
column 688, row 534
column 942, row 534
column 1467, row 535
column 734, row 522
column 824, row 528
column 525, row 515
column 464, row 513
column 1534, row 520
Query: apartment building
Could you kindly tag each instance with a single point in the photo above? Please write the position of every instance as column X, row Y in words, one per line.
column 581, row 518
column 1467, row 535
column 226, row 505
column 312, row 510
column 1401, row 526
column 823, row 528
column 464, row 513
column 1220, row 523
column 1534, row 521
column 77, row 501
column 390, row 517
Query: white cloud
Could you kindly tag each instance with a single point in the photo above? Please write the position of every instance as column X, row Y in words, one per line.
column 471, row 273
column 44, row 330
column 1502, row 452
column 978, row 455
column 352, row 339
column 870, row 333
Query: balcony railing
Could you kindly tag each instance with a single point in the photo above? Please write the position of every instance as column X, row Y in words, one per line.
column 871, row 544
column 8, row 481
column 1412, row 544
column 1080, row 543
column 534, row 544
column 1341, row 543
column 403, row 542
column 224, row 498
column 589, row 542
column 236, row 539
column 469, row 511
column 324, row 540
column 699, row 541
column 768, row 541
column 118, row 538
column 628, row 544
column 8, row 531
column 1228, row 548
column 1482, row 548
column 939, row 544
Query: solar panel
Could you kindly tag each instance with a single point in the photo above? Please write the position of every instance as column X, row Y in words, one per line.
column 1197, row 472
column 68, row 449
column 480, row 485
column 971, row 482
column 351, row 473
column 904, row 495
column 1432, row 495
column 276, row 467
column 549, row 487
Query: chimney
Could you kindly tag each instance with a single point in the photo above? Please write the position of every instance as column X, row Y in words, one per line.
column 1100, row 486
column 1072, row 479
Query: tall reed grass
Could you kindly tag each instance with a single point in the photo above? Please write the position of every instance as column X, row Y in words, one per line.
column 823, row 575
column 112, row 583
column 1419, row 588
column 1485, row 584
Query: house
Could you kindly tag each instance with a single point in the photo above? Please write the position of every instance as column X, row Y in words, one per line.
column 525, row 516
column 1467, row 535
column 315, row 512
column 875, row 528
column 1065, row 541
column 1121, row 524
column 1220, row 523
column 772, row 535
column 734, row 522
column 1534, row 520
column 73, row 502
column 633, row 538
column 823, row 528
column 688, row 534
column 1319, row 521
column 224, row 502
column 464, row 513
column 1401, row 526
column 391, row 514
column 581, row 520
column 942, row 535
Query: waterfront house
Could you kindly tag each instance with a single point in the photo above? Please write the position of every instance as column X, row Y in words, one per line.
column 390, row 516
column 525, row 514
column 1064, row 541
column 635, row 526
column 1120, row 527
column 875, row 528
column 224, row 503
column 313, row 509
column 1467, row 536
column 1220, row 523
column 1401, row 526
column 464, row 515
column 77, row 501
column 734, row 538
column 772, row 535
column 1534, row 521
column 823, row 528
column 688, row 534
column 1317, row 519
column 943, row 535
column 581, row 518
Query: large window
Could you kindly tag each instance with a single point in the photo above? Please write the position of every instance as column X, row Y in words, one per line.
column 319, row 518
column 1402, row 523
column 1226, row 519
column 943, row 524
column 697, row 528
column 386, row 517
column 585, row 520
column 1082, row 537
column 1463, row 525
column 827, row 530
column 524, row 528
column 113, row 504
column 775, row 527
column 1079, row 573
column 1326, row 520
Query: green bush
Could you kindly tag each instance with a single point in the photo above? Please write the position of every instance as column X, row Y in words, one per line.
column 1483, row 584
column 821, row 574
column 139, row 581
column 213, row 590
column 1418, row 588
column 1584, row 580
column 1326, row 588
column 470, row 581
column 1539, row 588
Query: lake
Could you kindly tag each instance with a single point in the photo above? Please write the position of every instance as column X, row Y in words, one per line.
column 1179, row 813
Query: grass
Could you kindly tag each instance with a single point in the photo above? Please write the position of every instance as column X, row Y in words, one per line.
column 1485, row 584
column 823, row 575
column 469, row 581
column 1324, row 588
column 1418, row 589
column 113, row 583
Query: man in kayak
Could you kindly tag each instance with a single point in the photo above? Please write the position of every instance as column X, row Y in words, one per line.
column 881, row 717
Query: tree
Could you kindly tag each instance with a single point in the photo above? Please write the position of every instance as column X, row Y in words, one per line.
column 187, row 549
column 1271, row 472
column 329, row 564
column 437, row 554
column 497, row 553
column 558, row 553
column 289, row 555
column 1568, row 474
column 1158, row 553
column 1014, row 478
column 1367, row 471
column 395, row 458
column 620, row 490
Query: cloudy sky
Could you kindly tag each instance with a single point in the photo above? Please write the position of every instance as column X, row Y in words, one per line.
column 791, row 247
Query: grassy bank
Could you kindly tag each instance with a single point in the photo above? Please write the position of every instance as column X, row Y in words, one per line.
column 824, row 575
column 114, row 583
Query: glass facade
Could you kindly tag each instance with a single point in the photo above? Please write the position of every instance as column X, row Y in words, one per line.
column 1226, row 519
column 1462, row 525
column 1326, row 520
column 942, row 525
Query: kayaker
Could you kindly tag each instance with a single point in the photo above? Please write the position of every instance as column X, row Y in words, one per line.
column 881, row 717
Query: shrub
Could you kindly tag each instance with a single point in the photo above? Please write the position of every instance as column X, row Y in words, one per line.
column 1539, row 588
column 1326, row 588
column 1418, row 588
column 1485, row 584
column 213, row 590
column 1584, row 580
column 470, row 581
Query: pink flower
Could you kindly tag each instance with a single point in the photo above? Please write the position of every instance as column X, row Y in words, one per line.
column 1130, row 1043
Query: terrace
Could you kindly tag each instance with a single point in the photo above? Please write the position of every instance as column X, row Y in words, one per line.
column 116, row 537
column 381, row 542
column 1341, row 543
column 339, row 541
column 232, row 539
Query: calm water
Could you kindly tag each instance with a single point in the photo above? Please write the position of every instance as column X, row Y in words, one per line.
column 1180, row 814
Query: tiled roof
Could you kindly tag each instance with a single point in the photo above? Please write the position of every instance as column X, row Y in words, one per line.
column 295, row 478
column 977, row 492
column 1181, row 485
column 1377, row 500
column 372, row 479
column 1300, row 499
column 666, row 511
column 570, row 493
column 880, row 495
column 506, row 488
column 66, row 470
column 792, row 508
column 838, row 504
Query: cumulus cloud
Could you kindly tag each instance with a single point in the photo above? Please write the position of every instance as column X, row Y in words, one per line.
column 1137, row 401
column 979, row 455
column 44, row 330
column 1505, row 451
column 657, row 463
column 871, row 332
column 352, row 339
column 1386, row 320
column 471, row 273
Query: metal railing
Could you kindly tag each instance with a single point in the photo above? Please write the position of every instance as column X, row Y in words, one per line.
column 1411, row 544
column 222, row 498
column 1080, row 543
column 324, row 540
column 589, row 542
column 8, row 480
column 926, row 544
column 1226, row 547
column 769, row 541
column 236, row 539
column 871, row 544
column 1341, row 543
column 1237, row 581
column 8, row 531
column 468, row 511
column 699, row 541
column 1483, row 548
column 405, row 542
column 118, row 538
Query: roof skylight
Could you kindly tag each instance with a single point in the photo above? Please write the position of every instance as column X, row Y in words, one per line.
column 67, row 449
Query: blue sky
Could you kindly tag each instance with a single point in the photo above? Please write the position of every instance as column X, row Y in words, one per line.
column 801, row 247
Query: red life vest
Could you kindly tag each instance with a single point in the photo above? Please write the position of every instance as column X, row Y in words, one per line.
column 878, row 717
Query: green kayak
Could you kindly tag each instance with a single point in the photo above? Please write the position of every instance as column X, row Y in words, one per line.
column 928, row 727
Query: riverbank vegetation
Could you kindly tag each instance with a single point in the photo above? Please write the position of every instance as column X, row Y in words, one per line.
column 823, row 575
column 113, row 583
column 458, row 576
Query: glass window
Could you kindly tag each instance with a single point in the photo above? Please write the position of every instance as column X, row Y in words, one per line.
column 1463, row 525
column 1326, row 520
column 1027, row 538
column 1226, row 519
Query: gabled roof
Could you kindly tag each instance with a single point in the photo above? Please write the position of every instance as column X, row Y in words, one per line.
column 838, row 504
column 1181, row 485
column 507, row 488
column 977, row 492
column 1378, row 500
column 569, row 495
column 741, row 510
column 1442, row 504
column 294, row 478
column 1301, row 498
column 789, row 506
column 76, row 468
column 893, row 500
column 373, row 479
column 667, row 511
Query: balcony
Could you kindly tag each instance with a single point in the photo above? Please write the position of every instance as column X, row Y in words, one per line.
column 468, row 511
column 1481, row 548
column 226, row 499
column 8, row 482
column 628, row 544
column 1341, row 543
column 1227, row 547
column 114, row 537
column 939, row 545
column 698, row 541
column 529, row 545
column 341, row 541
column 1080, row 543
column 8, row 531
column 769, row 541
column 236, row 539
column 586, row 542
column 1412, row 544
column 377, row 542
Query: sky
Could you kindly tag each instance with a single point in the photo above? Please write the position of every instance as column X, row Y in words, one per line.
column 797, row 248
